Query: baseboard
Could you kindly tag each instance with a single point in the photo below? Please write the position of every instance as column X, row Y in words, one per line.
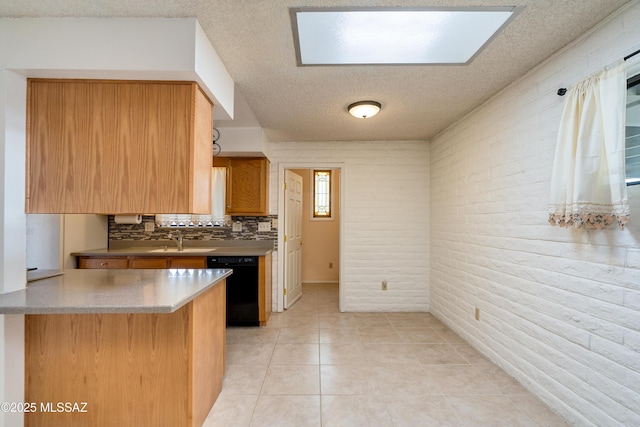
column 315, row 282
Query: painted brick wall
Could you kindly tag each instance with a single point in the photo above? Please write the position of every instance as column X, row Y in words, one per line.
column 559, row 308
column 386, row 217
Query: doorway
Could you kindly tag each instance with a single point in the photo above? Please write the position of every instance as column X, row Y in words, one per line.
column 321, row 241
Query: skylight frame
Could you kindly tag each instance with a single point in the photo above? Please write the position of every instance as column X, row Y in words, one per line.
column 514, row 10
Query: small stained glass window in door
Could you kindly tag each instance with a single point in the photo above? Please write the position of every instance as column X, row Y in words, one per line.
column 322, row 194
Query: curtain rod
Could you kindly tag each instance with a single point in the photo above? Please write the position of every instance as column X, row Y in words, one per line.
column 563, row 90
column 632, row 54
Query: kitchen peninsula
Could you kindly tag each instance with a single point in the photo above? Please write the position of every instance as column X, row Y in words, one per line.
column 138, row 347
column 249, row 290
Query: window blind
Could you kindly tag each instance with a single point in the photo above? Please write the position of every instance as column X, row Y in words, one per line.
column 632, row 135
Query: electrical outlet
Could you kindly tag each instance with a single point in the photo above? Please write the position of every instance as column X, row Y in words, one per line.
column 477, row 313
column 237, row 226
column 274, row 223
column 384, row 285
column 264, row 226
column 330, row 265
column 149, row 226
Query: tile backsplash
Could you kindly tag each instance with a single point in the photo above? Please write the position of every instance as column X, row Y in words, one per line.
column 249, row 230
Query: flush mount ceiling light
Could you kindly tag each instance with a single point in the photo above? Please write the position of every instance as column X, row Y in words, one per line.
column 356, row 36
column 364, row 109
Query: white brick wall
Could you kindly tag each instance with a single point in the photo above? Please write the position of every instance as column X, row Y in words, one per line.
column 559, row 308
column 386, row 218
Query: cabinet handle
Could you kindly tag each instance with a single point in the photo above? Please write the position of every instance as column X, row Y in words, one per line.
column 103, row 264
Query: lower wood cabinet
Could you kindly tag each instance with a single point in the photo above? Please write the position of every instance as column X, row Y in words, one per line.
column 147, row 262
column 264, row 289
column 187, row 262
column 132, row 369
column 142, row 262
column 101, row 262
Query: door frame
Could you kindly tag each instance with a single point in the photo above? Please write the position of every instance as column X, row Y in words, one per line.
column 280, row 191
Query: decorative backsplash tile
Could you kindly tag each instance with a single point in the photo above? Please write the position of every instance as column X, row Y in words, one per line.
column 249, row 230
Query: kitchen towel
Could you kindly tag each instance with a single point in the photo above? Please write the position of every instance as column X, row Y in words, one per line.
column 128, row 219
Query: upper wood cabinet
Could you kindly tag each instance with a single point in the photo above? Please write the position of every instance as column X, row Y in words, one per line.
column 118, row 147
column 247, row 185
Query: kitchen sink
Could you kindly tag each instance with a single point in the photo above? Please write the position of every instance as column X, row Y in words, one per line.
column 185, row 250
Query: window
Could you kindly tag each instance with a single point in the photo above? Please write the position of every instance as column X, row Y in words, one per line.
column 322, row 194
column 632, row 135
column 392, row 35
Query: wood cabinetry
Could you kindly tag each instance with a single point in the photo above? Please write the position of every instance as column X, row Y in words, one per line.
column 147, row 262
column 188, row 262
column 247, row 189
column 137, row 369
column 102, row 262
column 118, row 147
column 142, row 262
column 264, row 289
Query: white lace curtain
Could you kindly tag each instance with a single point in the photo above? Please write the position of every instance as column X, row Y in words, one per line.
column 588, row 182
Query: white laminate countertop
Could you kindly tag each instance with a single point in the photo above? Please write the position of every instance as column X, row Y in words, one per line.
column 112, row 291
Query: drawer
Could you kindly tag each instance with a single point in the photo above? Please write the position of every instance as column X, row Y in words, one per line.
column 188, row 262
column 103, row 262
column 142, row 262
column 146, row 262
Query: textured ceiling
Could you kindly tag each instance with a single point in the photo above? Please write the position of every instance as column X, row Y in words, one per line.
column 254, row 40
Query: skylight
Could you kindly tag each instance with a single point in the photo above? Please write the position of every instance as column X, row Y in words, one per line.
column 394, row 35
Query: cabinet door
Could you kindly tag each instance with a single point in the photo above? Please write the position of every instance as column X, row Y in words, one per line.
column 247, row 186
column 264, row 289
column 188, row 262
column 101, row 262
column 148, row 262
column 96, row 146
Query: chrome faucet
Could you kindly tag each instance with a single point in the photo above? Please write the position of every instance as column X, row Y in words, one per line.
column 178, row 239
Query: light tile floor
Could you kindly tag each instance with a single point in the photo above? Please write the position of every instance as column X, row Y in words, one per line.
column 315, row 366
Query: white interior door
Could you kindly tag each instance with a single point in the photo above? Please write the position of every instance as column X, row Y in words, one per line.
column 293, row 238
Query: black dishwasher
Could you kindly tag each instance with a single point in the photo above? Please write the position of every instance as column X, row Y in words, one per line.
column 242, row 288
